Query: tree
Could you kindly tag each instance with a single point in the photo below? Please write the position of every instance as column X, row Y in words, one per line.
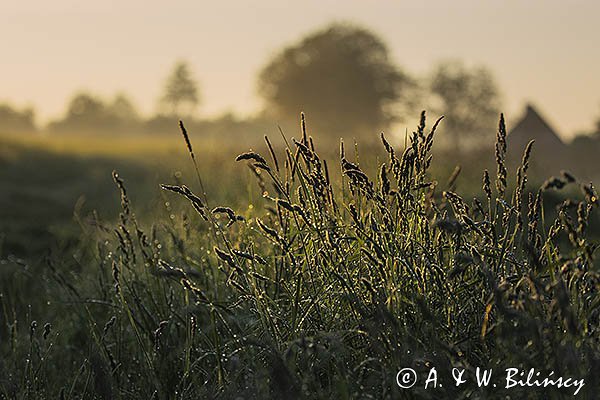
column 15, row 121
column 87, row 113
column 180, row 90
column 340, row 76
column 122, row 108
column 469, row 99
column 84, row 112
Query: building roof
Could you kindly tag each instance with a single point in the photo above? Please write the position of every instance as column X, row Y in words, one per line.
column 533, row 127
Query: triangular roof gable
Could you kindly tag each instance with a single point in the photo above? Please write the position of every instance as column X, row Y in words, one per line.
column 533, row 126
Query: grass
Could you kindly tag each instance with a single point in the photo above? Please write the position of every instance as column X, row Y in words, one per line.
column 48, row 180
column 343, row 272
column 82, row 145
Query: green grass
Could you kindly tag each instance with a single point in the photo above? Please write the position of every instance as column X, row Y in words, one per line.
column 49, row 181
column 341, row 274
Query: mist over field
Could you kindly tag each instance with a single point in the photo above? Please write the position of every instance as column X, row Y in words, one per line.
column 275, row 201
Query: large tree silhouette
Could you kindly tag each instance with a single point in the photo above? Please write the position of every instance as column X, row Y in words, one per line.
column 469, row 99
column 340, row 76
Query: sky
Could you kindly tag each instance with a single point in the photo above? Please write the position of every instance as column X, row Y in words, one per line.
column 540, row 51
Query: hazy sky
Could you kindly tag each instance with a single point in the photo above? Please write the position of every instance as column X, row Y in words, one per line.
column 543, row 51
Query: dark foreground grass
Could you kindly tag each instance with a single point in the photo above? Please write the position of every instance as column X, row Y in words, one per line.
column 341, row 283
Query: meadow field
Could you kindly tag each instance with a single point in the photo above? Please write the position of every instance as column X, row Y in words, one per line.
column 47, row 180
column 175, row 267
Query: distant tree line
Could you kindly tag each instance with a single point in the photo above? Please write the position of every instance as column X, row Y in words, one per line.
column 341, row 76
column 15, row 120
